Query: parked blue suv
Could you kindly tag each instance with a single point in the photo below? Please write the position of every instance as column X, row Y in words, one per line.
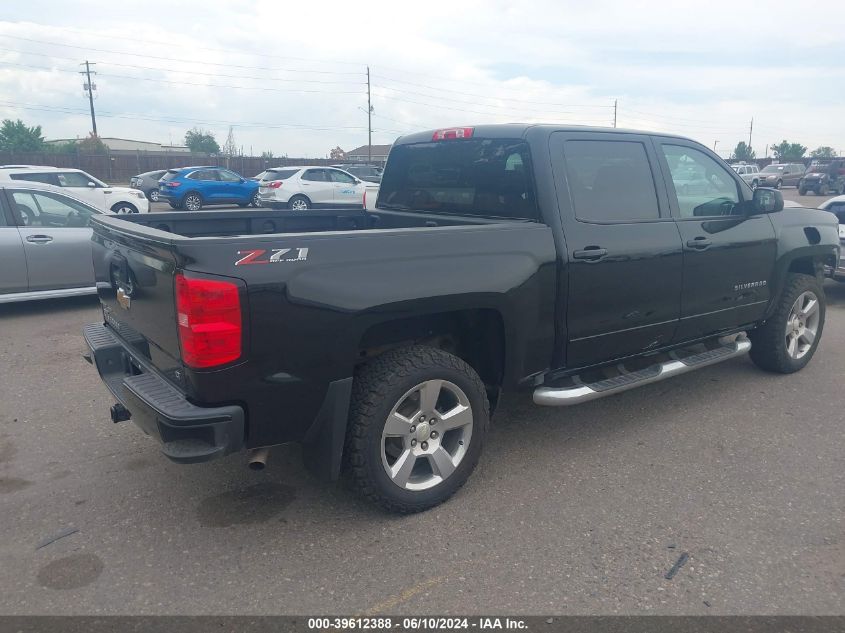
column 191, row 188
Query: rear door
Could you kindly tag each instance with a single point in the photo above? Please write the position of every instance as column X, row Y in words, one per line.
column 624, row 253
column 209, row 186
column 56, row 239
column 13, row 277
column 318, row 186
column 729, row 256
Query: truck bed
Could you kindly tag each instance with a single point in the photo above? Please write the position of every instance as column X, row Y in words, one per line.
column 232, row 223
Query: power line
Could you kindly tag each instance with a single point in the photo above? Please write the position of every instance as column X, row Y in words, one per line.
column 166, row 59
column 471, row 94
column 188, row 83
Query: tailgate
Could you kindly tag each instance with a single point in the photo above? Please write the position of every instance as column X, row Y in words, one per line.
column 134, row 271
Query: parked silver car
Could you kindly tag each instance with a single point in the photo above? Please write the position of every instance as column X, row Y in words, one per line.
column 45, row 243
column 148, row 183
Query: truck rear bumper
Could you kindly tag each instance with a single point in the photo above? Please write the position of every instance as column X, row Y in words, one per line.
column 188, row 433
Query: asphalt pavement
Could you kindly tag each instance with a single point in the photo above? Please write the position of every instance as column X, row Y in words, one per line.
column 579, row 511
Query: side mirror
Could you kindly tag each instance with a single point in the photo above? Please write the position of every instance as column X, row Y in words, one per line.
column 91, row 184
column 767, row 200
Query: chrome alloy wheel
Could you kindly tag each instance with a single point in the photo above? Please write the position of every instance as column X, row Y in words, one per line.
column 193, row 202
column 426, row 435
column 802, row 325
column 300, row 204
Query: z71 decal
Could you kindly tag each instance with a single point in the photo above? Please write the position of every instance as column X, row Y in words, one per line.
column 275, row 256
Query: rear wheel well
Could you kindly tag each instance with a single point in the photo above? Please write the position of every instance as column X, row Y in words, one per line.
column 475, row 336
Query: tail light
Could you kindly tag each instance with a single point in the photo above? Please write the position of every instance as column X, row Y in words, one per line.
column 275, row 184
column 452, row 133
column 209, row 317
column 173, row 183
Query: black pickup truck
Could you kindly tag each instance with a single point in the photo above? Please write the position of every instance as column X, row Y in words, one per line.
column 573, row 262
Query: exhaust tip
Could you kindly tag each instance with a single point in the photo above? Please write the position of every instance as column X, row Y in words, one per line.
column 258, row 458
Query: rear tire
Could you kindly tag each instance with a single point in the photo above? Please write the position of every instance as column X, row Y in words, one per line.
column 406, row 389
column 256, row 201
column 802, row 191
column 796, row 319
column 152, row 194
column 778, row 184
column 299, row 203
column 822, row 190
column 192, row 202
column 754, row 184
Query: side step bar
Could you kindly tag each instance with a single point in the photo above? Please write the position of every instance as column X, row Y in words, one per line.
column 576, row 394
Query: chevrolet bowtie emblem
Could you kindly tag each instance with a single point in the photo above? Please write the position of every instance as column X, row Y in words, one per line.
column 123, row 299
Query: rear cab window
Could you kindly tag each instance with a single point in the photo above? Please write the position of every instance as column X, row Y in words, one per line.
column 478, row 176
column 47, row 178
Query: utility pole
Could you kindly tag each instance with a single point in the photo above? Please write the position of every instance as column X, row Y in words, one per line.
column 750, row 129
column 614, row 113
column 369, row 120
column 90, row 88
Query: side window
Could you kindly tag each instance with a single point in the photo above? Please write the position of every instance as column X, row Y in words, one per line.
column 610, row 181
column 203, row 174
column 49, row 179
column 315, row 175
column 703, row 187
column 49, row 210
column 228, row 176
column 339, row 176
column 73, row 179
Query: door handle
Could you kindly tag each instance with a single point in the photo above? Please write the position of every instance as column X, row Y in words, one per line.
column 700, row 243
column 39, row 239
column 591, row 253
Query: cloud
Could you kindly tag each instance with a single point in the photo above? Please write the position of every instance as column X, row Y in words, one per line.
column 300, row 69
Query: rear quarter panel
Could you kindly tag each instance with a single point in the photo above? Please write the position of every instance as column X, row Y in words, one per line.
column 307, row 315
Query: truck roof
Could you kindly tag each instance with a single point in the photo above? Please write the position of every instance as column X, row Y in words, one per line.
column 518, row 130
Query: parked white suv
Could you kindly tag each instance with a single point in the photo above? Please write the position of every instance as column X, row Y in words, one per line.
column 81, row 185
column 301, row 188
column 749, row 173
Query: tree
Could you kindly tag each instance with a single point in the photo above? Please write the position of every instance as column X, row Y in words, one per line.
column 202, row 142
column 230, row 149
column 92, row 145
column 743, row 152
column 337, row 154
column 267, row 155
column 823, row 152
column 15, row 136
column 788, row 151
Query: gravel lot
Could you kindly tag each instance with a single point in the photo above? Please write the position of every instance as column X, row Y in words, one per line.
column 571, row 511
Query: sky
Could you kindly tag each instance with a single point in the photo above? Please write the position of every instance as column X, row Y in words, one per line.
column 291, row 77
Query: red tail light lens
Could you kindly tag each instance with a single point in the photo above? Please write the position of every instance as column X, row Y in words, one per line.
column 172, row 183
column 452, row 133
column 275, row 184
column 209, row 317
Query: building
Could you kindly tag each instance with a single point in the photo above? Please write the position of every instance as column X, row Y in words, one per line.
column 128, row 145
column 379, row 154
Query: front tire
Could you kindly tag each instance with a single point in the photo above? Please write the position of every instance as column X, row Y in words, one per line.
column 417, row 424
column 778, row 184
column 256, row 201
column 802, row 191
column 788, row 340
column 124, row 207
column 754, row 184
column 299, row 203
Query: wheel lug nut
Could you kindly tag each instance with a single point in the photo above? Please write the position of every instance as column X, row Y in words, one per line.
column 432, row 421
column 424, row 446
column 422, row 418
column 434, row 435
column 413, row 428
column 413, row 442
